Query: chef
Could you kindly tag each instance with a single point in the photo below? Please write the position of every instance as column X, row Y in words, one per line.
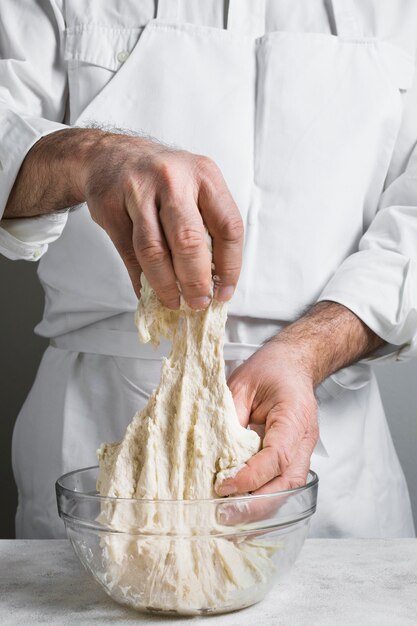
column 289, row 129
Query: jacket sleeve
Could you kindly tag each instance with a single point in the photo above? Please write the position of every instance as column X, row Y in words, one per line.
column 379, row 282
column 33, row 95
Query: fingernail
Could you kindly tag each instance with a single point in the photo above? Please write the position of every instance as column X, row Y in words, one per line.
column 224, row 517
column 224, row 293
column 226, row 490
column 233, row 512
column 200, row 303
column 228, row 514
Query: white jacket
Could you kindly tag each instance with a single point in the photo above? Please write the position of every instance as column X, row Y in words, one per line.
column 311, row 114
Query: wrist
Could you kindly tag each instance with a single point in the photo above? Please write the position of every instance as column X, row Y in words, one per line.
column 81, row 146
column 295, row 356
column 326, row 339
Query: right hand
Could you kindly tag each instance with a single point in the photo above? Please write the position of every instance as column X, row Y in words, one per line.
column 154, row 202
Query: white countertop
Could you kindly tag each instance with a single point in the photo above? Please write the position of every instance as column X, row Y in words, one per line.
column 335, row 582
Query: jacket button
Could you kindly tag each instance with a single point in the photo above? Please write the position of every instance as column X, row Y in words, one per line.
column 122, row 56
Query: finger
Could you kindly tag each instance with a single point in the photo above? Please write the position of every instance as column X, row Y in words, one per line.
column 121, row 236
column 282, row 439
column 250, row 510
column 242, row 396
column 245, row 510
column 296, row 474
column 224, row 222
column 153, row 255
column 186, row 236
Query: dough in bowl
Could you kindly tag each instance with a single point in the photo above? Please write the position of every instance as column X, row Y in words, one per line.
column 175, row 448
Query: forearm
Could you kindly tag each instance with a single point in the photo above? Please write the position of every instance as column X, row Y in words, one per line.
column 49, row 178
column 328, row 337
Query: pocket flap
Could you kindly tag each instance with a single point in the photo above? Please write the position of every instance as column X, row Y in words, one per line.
column 100, row 45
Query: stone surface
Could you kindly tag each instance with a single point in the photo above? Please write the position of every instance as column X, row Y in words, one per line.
column 335, row 581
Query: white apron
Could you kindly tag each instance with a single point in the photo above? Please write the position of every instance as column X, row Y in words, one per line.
column 273, row 110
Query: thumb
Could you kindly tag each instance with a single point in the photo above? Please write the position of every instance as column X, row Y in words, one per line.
column 242, row 398
column 280, row 444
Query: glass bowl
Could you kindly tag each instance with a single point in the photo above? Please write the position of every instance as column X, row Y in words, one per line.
column 185, row 557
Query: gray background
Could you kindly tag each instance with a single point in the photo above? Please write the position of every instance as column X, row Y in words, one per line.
column 21, row 308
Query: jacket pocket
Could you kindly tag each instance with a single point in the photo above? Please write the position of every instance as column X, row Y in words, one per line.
column 94, row 54
column 102, row 46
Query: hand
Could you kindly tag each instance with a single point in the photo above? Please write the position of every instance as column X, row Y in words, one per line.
column 273, row 393
column 153, row 202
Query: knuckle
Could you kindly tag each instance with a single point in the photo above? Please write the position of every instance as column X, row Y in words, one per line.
column 130, row 185
column 133, row 192
column 168, row 163
column 167, row 176
column 152, row 252
column 163, row 167
column 296, row 481
column 282, row 461
column 196, row 286
column 232, row 228
column 206, row 166
column 188, row 241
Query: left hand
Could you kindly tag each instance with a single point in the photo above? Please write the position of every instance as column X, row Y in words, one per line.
column 274, row 393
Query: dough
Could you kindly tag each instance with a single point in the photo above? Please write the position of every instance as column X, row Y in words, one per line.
column 187, row 436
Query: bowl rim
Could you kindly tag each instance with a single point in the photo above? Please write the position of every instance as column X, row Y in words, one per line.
column 313, row 482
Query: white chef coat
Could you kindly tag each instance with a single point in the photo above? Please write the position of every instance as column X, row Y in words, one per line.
column 367, row 263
